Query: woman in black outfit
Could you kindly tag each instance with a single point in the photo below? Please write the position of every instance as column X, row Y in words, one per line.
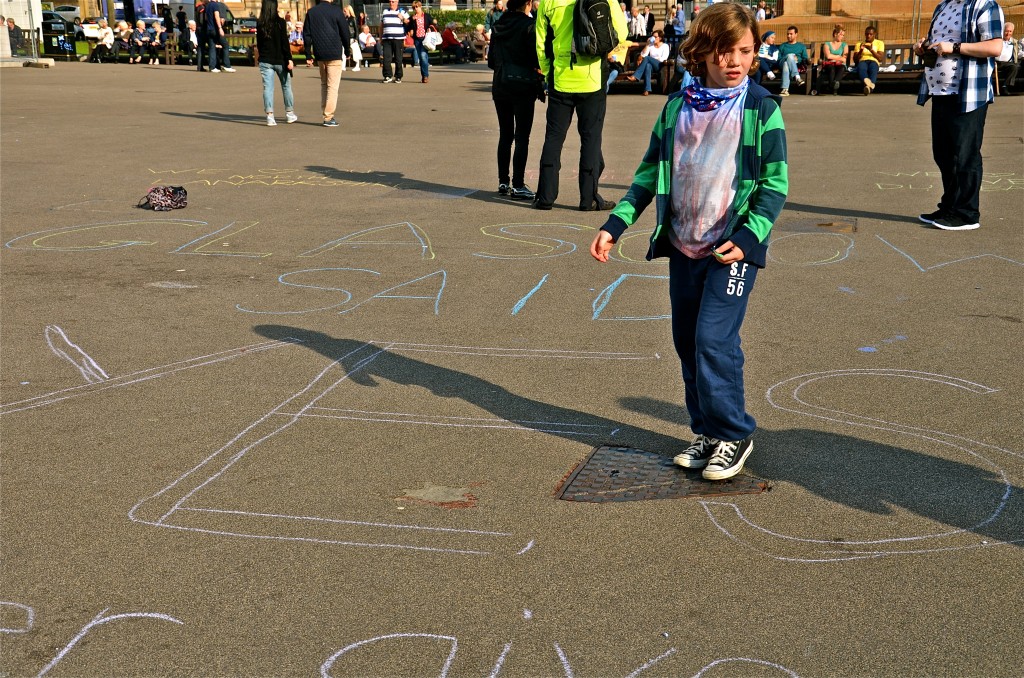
column 515, row 89
column 275, row 59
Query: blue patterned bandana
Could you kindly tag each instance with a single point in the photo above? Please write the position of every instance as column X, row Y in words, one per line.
column 701, row 99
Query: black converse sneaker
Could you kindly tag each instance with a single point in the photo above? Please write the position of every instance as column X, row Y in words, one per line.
column 931, row 216
column 697, row 454
column 728, row 459
column 503, row 189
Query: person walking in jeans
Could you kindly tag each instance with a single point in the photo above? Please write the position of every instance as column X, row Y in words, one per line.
column 417, row 27
column 392, row 22
column 966, row 36
column 215, row 17
column 325, row 35
column 274, row 55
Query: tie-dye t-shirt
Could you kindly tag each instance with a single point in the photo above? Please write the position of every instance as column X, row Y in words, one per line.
column 704, row 172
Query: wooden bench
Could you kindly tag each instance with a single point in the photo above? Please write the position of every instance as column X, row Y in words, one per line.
column 806, row 71
column 659, row 81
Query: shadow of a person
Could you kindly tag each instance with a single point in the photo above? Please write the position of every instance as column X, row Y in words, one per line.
column 370, row 365
column 974, row 494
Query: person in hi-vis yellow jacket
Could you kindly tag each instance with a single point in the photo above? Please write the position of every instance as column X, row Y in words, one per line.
column 575, row 84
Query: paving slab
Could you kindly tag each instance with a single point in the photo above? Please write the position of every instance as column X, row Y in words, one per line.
column 317, row 420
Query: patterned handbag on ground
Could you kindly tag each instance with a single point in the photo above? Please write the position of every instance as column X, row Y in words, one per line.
column 165, row 198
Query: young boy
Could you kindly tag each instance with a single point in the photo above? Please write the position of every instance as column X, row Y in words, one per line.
column 716, row 170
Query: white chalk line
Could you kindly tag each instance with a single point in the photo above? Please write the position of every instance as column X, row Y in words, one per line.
column 100, row 619
column 162, row 521
column 140, row 376
column 241, row 453
column 882, row 425
column 378, row 420
column 325, row 668
column 360, row 523
column 30, row 617
column 759, row 662
column 85, row 365
column 501, row 660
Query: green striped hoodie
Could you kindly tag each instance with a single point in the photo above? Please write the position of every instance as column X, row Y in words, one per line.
column 761, row 171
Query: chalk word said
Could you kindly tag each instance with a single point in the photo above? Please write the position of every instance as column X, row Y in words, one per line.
column 446, row 647
column 786, row 395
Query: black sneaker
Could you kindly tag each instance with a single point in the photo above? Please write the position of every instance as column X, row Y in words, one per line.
column 502, row 189
column 698, row 453
column 955, row 223
column 522, row 193
column 728, row 459
column 330, row 123
column 538, row 205
column 932, row 216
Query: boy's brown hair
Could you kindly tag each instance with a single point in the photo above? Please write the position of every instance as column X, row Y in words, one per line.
column 715, row 30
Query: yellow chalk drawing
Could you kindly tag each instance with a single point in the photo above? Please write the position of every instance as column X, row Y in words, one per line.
column 550, row 247
column 210, row 240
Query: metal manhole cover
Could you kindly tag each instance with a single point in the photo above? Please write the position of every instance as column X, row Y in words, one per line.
column 626, row 474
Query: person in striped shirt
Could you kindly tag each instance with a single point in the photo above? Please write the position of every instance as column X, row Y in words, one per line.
column 393, row 29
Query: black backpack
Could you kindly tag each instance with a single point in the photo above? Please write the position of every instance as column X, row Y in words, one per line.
column 592, row 30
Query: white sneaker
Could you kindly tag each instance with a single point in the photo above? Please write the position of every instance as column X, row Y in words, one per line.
column 798, row 80
column 229, row 70
column 290, row 117
column 343, row 67
column 270, row 120
column 356, row 69
column 215, row 70
column 769, row 75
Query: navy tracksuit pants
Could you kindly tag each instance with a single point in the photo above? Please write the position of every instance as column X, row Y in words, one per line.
column 709, row 301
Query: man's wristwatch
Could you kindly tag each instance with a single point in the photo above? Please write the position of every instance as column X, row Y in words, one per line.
column 956, row 48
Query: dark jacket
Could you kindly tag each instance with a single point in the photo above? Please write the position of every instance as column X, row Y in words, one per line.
column 325, row 33
column 273, row 45
column 513, row 40
column 410, row 25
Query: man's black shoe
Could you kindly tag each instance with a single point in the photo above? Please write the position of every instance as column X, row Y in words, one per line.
column 954, row 223
column 538, row 205
column 599, row 205
column 932, row 216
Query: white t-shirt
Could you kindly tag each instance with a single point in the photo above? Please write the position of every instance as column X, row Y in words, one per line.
column 659, row 54
column 704, row 172
column 944, row 79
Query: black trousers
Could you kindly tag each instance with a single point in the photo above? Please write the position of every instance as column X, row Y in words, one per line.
column 515, row 120
column 956, row 147
column 202, row 58
column 393, row 51
column 589, row 109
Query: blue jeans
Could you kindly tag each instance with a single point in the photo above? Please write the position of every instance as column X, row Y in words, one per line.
column 709, row 301
column 789, row 70
column 763, row 68
column 224, row 59
column 420, row 50
column 867, row 69
column 647, row 66
column 268, row 71
column 611, row 78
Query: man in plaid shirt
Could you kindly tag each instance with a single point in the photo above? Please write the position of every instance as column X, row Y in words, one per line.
column 965, row 37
